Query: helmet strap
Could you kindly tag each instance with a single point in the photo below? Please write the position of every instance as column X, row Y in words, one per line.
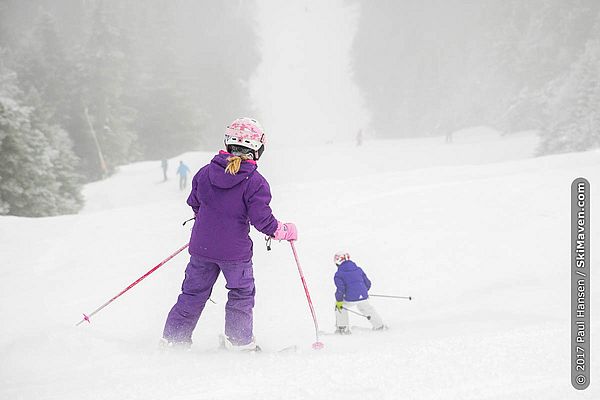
column 259, row 152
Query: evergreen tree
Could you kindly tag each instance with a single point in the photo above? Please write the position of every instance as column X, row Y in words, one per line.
column 540, row 40
column 168, row 123
column 37, row 166
column 574, row 118
column 110, row 120
column 55, row 80
column 167, row 120
column 131, row 80
column 454, row 63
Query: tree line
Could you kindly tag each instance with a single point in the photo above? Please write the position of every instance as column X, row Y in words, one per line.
column 434, row 66
column 88, row 85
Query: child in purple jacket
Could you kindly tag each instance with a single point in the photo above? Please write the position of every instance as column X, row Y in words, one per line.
column 352, row 289
column 227, row 196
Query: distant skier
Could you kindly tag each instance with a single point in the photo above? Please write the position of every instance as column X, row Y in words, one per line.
column 183, row 172
column 227, row 196
column 352, row 287
column 164, row 164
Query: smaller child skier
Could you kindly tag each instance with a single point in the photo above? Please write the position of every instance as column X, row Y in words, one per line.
column 352, row 290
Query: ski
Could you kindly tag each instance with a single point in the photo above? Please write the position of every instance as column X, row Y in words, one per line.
column 355, row 329
column 258, row 349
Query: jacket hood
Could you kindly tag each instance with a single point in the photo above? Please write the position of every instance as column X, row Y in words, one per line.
column 347, row 266
column 221, row 179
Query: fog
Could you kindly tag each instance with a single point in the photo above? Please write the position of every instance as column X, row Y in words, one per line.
column 436, row 141
column 304, row 89
column 91, row 85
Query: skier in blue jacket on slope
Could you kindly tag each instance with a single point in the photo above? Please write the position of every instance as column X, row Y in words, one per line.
column 183, row 171
column 352, row 289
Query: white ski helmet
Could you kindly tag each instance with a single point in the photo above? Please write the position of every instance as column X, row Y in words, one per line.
column 245, row 136
column 340, row 257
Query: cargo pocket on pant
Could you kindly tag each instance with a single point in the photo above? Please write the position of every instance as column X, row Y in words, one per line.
column 248, row 273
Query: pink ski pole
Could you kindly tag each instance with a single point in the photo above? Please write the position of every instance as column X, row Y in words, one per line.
column 163, row 262
column 317, row 345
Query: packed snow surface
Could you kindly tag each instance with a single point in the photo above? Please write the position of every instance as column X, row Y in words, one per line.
column 477, row 231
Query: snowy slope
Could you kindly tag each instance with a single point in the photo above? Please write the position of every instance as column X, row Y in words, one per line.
column 476, row 231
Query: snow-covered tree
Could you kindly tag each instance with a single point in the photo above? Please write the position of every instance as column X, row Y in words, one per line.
column 131, row 80
column 574, row 116
column 456, row 63
column 37, row 165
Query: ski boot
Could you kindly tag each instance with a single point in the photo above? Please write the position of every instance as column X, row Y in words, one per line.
column 165, row 344
column 342, row 330
column 225, row 344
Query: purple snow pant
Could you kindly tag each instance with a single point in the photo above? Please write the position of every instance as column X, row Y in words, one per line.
column 200, row 276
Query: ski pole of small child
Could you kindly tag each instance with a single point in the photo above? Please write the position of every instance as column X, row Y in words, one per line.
column 390, row 296
column 163, row 262
column 357, row 313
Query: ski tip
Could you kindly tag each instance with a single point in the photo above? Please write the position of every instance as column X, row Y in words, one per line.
column 318, row 345
column 289, row 349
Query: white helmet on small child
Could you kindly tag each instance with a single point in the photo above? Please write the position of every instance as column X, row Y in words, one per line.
column 340, row 257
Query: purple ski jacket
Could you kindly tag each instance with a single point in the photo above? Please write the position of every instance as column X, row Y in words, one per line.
column 351, row 283
column 225, row 205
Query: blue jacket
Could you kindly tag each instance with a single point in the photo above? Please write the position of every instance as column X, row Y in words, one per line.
column 183, row 170
column 351, row 282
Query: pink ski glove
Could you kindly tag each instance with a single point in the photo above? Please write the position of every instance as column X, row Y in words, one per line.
column 286, row 231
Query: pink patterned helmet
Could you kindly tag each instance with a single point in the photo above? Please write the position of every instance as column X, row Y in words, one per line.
column 245, row 136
